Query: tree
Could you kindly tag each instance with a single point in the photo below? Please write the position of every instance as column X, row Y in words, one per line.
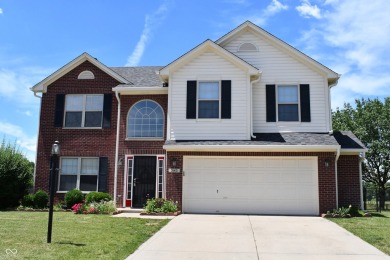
column 16, row 173
column 370, row 122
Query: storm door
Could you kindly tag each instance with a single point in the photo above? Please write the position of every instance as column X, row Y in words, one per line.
column 144, row 180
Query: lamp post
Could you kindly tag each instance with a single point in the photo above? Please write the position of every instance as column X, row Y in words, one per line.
column 55, row 152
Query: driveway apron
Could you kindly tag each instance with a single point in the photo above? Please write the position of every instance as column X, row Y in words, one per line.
column 254, row 237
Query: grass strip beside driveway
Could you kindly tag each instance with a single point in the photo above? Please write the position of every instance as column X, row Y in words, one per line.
column 374, row 230
column 74, row 236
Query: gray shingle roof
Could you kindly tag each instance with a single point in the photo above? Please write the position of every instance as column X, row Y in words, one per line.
column 347, row 140
column 140, row 76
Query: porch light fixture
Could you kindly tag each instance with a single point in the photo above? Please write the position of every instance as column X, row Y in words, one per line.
column 55, row 152
column 327, row 163
column 174, row 162
column 120, row 161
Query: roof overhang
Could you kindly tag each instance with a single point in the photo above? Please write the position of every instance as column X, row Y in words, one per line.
column 251, row 148
column 208, row 45
column 353, row 151
column 144, row 90
column 42, row 86
column 330, row 74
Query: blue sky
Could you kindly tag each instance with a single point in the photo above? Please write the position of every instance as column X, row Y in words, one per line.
column 37, row 37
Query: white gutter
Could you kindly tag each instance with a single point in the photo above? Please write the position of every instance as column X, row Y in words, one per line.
column 36, row 151
column 361, row 159
column 253, row 148
column 117, row 145
column 251, row 107
column 335, row 170
column 129, row 90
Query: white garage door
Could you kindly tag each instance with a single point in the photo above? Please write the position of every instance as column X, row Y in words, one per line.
column 255, row 185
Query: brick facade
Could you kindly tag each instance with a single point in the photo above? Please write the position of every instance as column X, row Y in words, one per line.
column 75, row 142
column 348, row 180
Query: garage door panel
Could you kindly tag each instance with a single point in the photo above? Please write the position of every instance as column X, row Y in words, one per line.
column 254, row 185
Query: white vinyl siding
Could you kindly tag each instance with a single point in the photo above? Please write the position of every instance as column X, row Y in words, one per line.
column 279, row 68
column 204, row 68
column 251, row 185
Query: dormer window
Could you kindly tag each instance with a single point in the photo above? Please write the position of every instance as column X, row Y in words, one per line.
column 247, row 46
column 86, row 74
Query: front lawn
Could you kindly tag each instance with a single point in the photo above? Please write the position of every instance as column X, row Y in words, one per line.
column 374, row 230
column 74, row 236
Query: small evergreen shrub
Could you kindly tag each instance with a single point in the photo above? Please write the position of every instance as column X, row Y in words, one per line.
column 157, row 205
column 28, row 201
column 40, row 199
column 73, row 197
column 97, row 197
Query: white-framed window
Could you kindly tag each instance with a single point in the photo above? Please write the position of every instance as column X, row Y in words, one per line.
column 288, row 103
column 130, row 167
column 79, row 173
column 83, row 110
column 208, row 99
column 160, row 177
column 145, row 120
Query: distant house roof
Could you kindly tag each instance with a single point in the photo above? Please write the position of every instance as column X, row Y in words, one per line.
column 140, row 76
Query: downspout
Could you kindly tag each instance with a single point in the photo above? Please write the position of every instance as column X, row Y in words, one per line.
column 361, row 159
column 117, row 145
column 251, row 107
column 335, row 170
column 36, row 153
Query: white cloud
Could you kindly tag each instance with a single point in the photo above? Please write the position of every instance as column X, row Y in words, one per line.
column 352, row 38
column 15, row 84
column 27, row 143
column 1, row 11
column 308, row 10
column 151, row 22
column 260, row 17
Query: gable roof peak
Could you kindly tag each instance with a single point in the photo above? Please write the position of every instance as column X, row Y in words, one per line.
column 42, row 85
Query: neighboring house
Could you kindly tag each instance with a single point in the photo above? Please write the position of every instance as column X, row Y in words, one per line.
column 239, row 125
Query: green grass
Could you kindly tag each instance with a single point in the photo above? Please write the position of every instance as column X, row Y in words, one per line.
column 74, row 236
column 374, row 230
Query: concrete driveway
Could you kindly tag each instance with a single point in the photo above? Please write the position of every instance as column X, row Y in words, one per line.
column 254, row 237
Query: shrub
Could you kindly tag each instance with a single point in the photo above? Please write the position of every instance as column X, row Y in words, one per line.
column 341, row 212
column 15, row 175
column 41, row 199
column 73, row 197
column 28, row 201
column 103, row 207
column 97, row 197
column 157, row 205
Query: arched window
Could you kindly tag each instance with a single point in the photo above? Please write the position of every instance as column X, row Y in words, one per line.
column 145, row 120
column 86, row 74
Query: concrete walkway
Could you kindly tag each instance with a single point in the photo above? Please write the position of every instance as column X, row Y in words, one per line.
column 254, row 237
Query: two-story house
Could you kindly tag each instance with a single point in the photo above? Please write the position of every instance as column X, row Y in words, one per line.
column 238, row 125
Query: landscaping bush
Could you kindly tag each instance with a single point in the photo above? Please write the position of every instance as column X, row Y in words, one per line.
column 15, row 175
column 342, row 212
column 157, row 205
column 73, row 197
column 103, row 207
column 28, row 201
column 97, row 197
column 40, row 199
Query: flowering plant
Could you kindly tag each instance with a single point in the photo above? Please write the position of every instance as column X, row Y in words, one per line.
column 104, row 207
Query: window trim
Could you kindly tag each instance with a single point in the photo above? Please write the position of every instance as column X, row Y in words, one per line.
column 198, row 99
column 289, row 103
column 83, row 112
column 145, row 138
column 78, row 173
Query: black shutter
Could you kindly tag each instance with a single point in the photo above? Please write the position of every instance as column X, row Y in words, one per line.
column 59, row 112
column 103, row 172
column 226, row 99
column 270, row 103
column 107, row 107
column 305, row 102
column 191, row 99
